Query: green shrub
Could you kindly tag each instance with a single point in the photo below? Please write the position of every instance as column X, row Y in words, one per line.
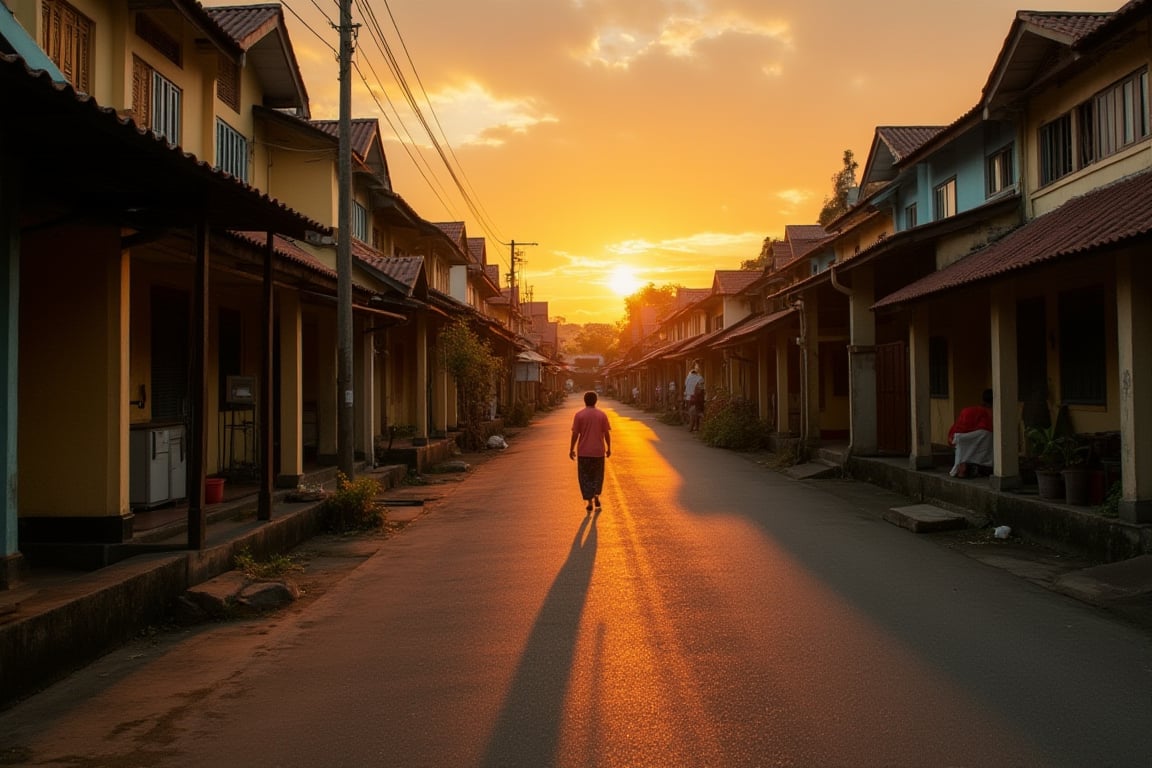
column 353, row 506
column 518, row 415
column 672, row 417
column 272, row 568
column 732, row 423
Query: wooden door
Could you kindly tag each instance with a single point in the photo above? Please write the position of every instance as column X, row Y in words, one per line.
column 893, row 399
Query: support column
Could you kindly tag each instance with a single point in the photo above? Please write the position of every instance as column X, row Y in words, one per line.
column 810, row 369
column 366, row 398
column 291, row 391
column 439, row 402
column 198, row 394
column 1005, row 390
column 763, row 389
column 862, row 403
column 783, row 341
column 920, row 417
column 421, row 436
column 328, row 396
column 11, row 561
column 1134, row 337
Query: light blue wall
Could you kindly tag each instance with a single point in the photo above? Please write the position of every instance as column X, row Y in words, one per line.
column 964, row 159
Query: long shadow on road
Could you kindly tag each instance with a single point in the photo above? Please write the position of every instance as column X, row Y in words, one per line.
column 527, row 731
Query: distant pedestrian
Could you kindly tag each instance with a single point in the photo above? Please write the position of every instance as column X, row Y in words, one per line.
column 591, row 432
column 694, row 397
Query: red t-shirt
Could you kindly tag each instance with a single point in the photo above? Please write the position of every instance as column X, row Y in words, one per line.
column 972, row 418
column 590, row 425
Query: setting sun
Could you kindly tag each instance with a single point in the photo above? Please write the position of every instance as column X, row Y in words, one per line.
column 623, row 281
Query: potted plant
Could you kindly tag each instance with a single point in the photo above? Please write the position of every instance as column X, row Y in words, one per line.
column 1048, row 454
column 1077, row 476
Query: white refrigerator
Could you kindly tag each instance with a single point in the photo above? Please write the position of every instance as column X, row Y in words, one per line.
column 157, row 466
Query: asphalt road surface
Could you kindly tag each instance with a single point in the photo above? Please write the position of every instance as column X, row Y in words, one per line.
column 715, row 613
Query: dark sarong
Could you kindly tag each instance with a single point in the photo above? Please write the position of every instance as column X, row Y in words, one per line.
column 590, row 471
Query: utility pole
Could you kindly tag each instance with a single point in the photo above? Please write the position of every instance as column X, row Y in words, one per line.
column 514, row 299
column 345, row 430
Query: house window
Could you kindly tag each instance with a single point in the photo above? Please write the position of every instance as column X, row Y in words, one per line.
column 910, row 216
column 946, row 199
column 1114, row 118
column 1000, row 172
column 1031, row 349
column 1056, row 149
column 156, row 101
column 231, row 151
column 68, row 42
column 359, row 222
column 938, row 366
column 228, row 82
column 1083, row 365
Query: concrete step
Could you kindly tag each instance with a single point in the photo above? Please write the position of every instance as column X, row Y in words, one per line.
column 813, row 470
column 925, row 518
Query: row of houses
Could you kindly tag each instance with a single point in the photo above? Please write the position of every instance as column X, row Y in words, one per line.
column 168, row 214
column 1008, row 250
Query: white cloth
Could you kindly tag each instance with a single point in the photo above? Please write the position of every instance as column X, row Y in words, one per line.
column 973, row 448
column 690, row 383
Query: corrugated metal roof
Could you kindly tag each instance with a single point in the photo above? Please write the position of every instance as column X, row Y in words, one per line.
column 1106, row 216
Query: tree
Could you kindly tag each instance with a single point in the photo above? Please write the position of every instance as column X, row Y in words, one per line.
column 660, row 299
column 646, row 306
column 470, row 361
column 842, row 182
column 596, row 339
column 764, row 260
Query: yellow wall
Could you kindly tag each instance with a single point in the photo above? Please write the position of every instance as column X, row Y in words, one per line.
column 1065, row 96
column 73, row 422
column 304, row 181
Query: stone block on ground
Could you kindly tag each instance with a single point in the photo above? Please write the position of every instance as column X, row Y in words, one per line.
column 267, row 595
column 925, row 518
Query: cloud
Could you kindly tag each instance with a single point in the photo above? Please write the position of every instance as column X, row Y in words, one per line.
column 470, row 114
column 678, row 36
column 794, row 197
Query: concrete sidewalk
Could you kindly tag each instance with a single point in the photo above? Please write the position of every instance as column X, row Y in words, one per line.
column 57, row 620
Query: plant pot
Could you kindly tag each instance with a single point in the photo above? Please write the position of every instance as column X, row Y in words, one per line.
column 1077, row 486
column 1051, row 484
column 213, row 490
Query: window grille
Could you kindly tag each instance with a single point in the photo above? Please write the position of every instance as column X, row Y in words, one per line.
column 231, row 151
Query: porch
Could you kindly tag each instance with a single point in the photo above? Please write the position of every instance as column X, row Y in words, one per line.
column 1084, row 531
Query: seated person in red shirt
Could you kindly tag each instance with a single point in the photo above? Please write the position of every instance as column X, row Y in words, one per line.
column 972, row 436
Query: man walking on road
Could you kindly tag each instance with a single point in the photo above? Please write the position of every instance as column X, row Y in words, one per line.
column 590, row 429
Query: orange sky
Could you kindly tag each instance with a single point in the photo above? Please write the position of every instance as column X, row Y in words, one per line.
column 665, row 137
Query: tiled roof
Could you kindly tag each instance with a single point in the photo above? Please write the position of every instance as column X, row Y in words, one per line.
column 493, row 272
column 363, row 132
column 804, row 232
column 732, row 281
column 1106, row 216
column 1125, row 14
column 753, row 324
column 454, row 229
column 403, row 269
column 241, row 21
column 688, row 296
column 287, row 249
column 1074, row 25
column 903, row 140
column 478, row 247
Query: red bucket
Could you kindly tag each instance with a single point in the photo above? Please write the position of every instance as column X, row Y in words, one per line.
column 213, row 490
